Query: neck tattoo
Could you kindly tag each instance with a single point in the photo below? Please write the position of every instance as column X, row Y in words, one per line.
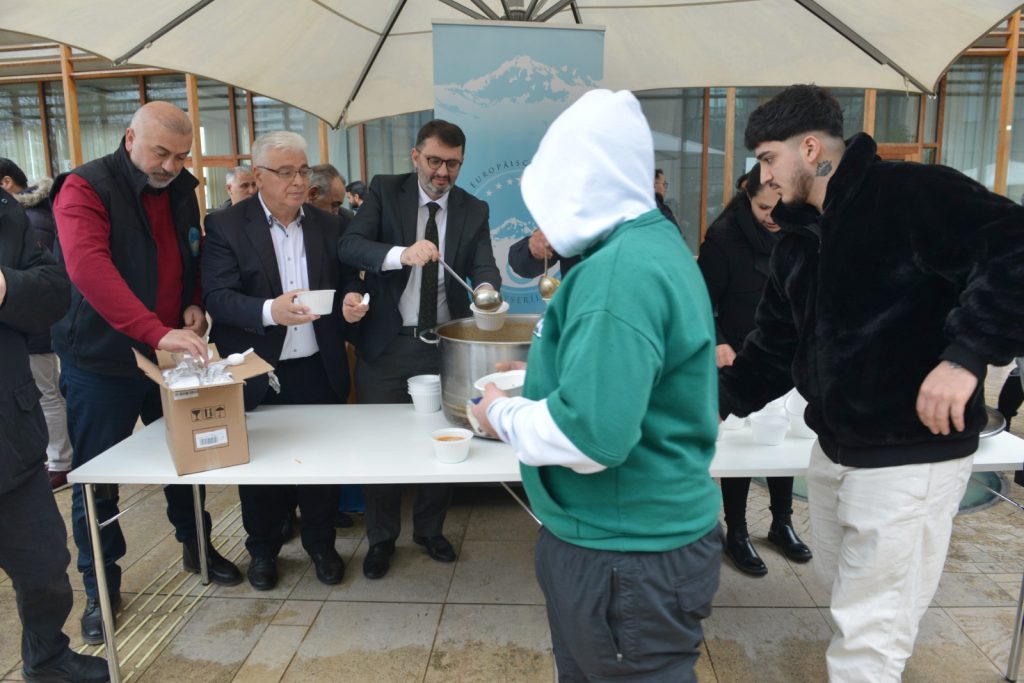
column 824, row 168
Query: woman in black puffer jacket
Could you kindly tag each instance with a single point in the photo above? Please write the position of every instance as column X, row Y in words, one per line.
column 734, row 261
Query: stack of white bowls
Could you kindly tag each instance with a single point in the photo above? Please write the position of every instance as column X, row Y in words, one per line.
column 425, row 391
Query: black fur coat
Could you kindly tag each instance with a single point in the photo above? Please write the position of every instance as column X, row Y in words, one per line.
column 908, row 265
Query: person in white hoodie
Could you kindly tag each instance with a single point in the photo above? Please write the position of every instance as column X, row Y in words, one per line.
column 617, row 423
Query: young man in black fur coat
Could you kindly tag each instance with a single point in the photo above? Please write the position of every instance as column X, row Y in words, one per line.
column 893, row 286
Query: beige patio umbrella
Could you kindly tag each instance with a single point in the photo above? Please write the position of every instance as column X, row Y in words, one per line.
column 347, row 61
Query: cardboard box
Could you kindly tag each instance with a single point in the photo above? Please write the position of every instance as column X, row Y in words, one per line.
column 205, row 425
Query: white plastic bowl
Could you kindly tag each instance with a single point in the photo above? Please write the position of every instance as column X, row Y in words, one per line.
column 510, row 381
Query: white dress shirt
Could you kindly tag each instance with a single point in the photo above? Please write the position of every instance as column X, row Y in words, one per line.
column 409, row 304
column 290, row 250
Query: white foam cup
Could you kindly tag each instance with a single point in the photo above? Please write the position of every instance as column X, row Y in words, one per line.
column 426, row 400
column 455, row 444
column 732, row 422
column 319, row 301
column 768, row 429
column 424, row 381
column 490, row 320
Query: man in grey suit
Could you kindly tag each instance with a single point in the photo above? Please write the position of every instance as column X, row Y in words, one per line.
column 406, row 223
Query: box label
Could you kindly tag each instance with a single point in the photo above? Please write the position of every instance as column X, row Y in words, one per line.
column 208, row 413
column 188, row 393
column 214, row 438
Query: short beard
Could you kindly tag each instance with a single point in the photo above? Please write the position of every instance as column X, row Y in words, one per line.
column 159, row 185
column 802, row 184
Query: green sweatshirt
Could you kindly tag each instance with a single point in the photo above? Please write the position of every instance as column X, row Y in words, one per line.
column 625, row 355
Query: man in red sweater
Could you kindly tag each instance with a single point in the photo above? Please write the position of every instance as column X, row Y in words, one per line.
column 128, row 232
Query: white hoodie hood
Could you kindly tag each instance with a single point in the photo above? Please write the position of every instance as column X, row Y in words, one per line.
column 593, row 171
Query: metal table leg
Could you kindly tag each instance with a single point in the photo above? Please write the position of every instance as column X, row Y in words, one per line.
column 1013, row 666
column 101, row 584
column 204, row 567
column 522, row 503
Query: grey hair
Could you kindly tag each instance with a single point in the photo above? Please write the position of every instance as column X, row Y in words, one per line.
column 322, row 175
column 235, row 171
column 278, row 139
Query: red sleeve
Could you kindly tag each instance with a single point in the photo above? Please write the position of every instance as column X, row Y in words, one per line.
column 197, row 285
column 83, row 227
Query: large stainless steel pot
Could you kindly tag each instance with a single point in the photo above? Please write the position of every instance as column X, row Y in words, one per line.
column 468, row 353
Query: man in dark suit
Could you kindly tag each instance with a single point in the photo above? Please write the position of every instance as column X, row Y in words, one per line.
column 406, row 223
column 526, row 257
column 34, row 293
column 258, row 256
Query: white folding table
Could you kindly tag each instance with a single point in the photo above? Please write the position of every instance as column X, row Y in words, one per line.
column 389, row 444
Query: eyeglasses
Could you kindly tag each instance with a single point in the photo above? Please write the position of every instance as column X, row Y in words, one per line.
column 288, row 172
column 435, row 163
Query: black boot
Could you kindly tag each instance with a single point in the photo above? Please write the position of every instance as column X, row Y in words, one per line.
column 92, row 619
column 783, row 536
column 222, row 571
column 740, row 550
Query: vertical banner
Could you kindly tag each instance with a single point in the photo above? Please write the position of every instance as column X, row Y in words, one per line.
column 504, row 83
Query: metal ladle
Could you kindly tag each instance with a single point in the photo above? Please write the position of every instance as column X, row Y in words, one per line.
column 547, row 284
column 486, row 299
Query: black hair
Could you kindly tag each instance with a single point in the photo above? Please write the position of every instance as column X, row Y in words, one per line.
column 448, row 133
column 797, row 109
column 658, row 172
column 9, row 168
column 356, row 187
column 753, row 184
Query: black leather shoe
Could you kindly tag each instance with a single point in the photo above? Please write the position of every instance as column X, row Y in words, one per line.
column 377, row 561
column 437, row 547
column 263, row 573
column 222, row 571
column 783, row 536
column 343, row 520
column 740, row 550
column 72, row 667
column 330, row 568
column 92, row 619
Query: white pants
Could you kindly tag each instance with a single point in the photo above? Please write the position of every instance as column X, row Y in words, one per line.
column 880, row 537
column 47, row 376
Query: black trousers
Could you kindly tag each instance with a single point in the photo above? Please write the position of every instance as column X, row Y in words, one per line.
column 383, row 380
column 627, row 616
column 734, row 499
column 34, row 553
column 265, row 508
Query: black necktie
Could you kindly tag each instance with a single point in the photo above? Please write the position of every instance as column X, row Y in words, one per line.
column 428, row 285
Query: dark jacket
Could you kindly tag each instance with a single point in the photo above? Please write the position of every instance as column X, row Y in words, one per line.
column 734, row 263
column 908, row 265
column 83, row 338
column 42, row 230
column 386, row 219
column 524, row 264
column 239, row 269
column 37, row 295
